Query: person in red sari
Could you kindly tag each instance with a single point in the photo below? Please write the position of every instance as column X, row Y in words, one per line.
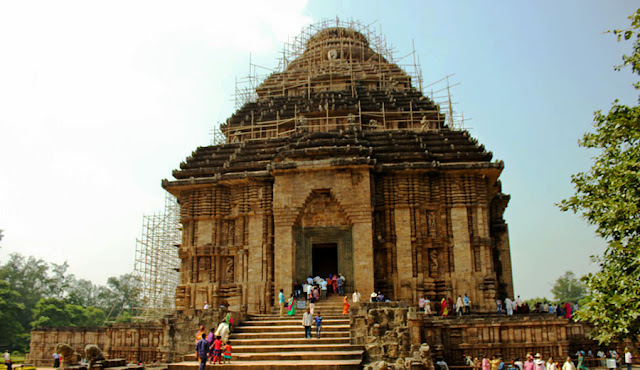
column 443, row 307
column 335, row 283
column 567, row 310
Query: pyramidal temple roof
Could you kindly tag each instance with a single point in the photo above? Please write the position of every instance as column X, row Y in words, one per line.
column 340, row 100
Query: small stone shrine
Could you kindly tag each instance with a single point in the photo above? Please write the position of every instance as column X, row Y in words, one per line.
column 339, row 164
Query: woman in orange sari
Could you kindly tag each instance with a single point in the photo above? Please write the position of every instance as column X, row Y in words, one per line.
column 345, row 303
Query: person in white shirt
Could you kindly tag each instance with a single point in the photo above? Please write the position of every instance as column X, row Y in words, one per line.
column 568, row 365
column 206, row 305
column 508, row 305
column 355, row 297
column 323, row 289
column 628, row 358
column 427, row 306
column 307, row 320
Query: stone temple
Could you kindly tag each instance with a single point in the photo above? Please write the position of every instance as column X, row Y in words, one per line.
column 336, row 163
column 340, row 164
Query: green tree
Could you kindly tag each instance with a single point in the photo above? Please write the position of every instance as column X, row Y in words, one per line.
column 568, row 288
column 608, row 197
column 58, row 312
column 10, row 310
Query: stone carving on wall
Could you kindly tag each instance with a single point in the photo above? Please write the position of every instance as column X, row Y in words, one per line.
column 431, row 224
column 228, row 273
column 433, row 263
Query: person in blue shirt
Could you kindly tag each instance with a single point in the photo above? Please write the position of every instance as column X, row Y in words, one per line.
column 467, row 304
column 281, row 302
column 202, row 349
column 318, row 322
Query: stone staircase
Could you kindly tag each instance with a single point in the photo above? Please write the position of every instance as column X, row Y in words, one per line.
column 270, row 341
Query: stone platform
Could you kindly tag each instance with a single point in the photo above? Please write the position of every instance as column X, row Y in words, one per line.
column 270, row 341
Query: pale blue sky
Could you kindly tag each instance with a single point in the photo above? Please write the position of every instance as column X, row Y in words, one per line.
column 99, row 101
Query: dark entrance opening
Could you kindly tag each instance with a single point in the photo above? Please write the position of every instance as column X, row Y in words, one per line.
column 324, row 259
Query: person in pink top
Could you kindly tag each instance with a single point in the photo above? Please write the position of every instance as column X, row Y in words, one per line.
column 485, row 363
column 567, row 309
column 528, row 365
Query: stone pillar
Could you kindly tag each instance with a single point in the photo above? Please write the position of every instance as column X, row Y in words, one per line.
column 404, row 258
column 256, row 275
column 504, row 253
column 461, row 252
column 363, row 257
column 284, row 255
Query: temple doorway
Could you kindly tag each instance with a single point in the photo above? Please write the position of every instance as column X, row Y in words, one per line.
column 324, row 259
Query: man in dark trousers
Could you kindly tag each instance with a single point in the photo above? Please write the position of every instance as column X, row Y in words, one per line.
column 202, row 349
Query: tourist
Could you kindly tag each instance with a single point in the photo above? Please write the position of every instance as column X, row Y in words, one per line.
column 210, row 338
column 477, row 364
column 551, row 365
column 334, row 283
column 512, row 365
column 600, row 355
column 427, row 306
column 202, row 351
column 567, row 310
column 355, row 297
column 222, row 331
column 380, row 297
column 291, row 306
column 421, row 303
column 518, row 363
column 56, row 360
column 495, row 361
column 312, row 304
column 323, row 289
column 459, row 306
column 441, row 365
column 340, row 282
column 508, row 305
column 206, row 305
column 501, row 365
column 568, row 365
column 329, row 284
column 545, row 307
column 226, row 357
column 374, row 297
column 309, row 290
column 316, row 293
column 581, row 365
column 309, row 280
column 467, row 304
column 538, row 363
column 281, row 302
column 443, row 307
column 499, row 306
column 297, row 290
column 518, row 305
column 628, row 358
column 318, row 322
column 486, row 365
column 230, row 322
column 217, row 350
column 528, row 364
column 7, row 360
column 559, row 310
column 307, row 320
column 201, row 331
column 345, row 305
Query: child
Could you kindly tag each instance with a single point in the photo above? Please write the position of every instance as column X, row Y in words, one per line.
column 318, row 321
column 227, row 353
column 217, row 350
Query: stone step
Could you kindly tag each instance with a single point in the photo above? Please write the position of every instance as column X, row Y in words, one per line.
column 329, row 316
column 270, row 364
column 284, row 334
column 282, row 328
column 290, row 321
column 299, row 355
column 288, row 340
column 311, row 346
column 290, row 354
